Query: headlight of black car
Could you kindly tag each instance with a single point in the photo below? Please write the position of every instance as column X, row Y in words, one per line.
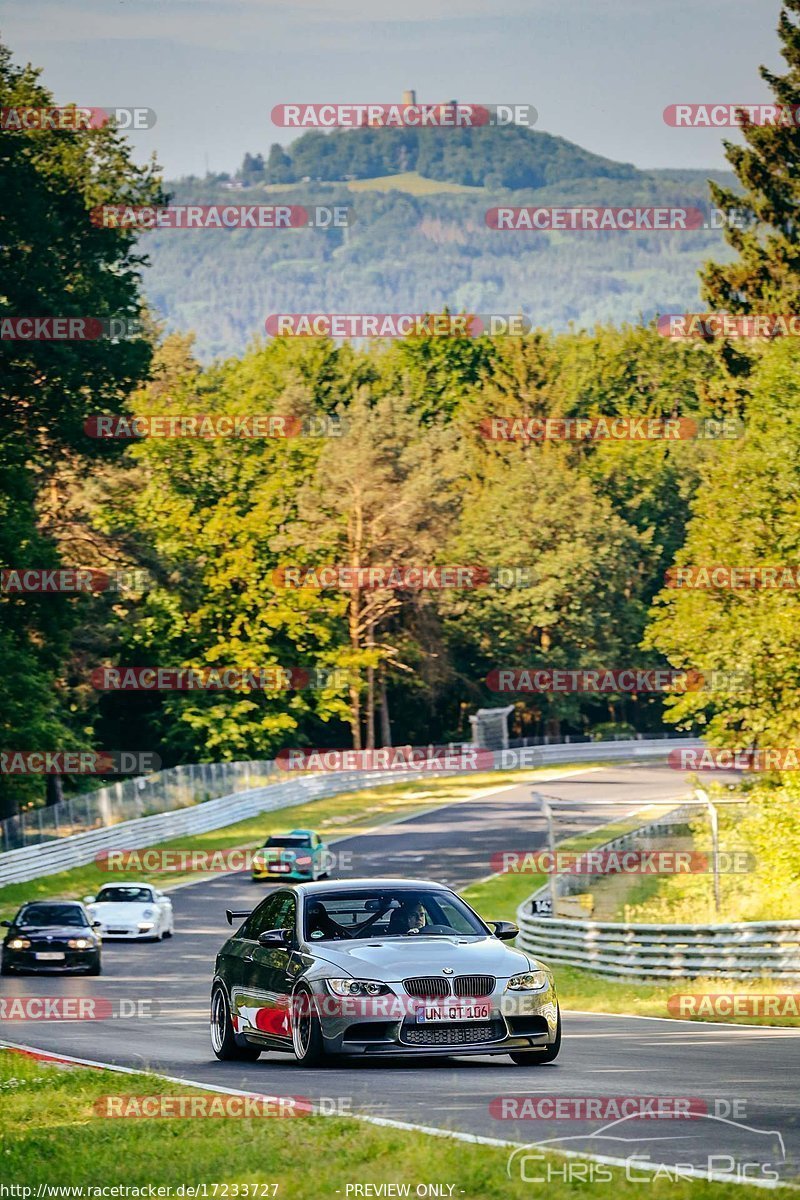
column 357, row 987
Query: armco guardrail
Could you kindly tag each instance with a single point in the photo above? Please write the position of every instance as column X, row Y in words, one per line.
column 139, row 796
column 745, row 950
column 47, row 858
column 758, row 949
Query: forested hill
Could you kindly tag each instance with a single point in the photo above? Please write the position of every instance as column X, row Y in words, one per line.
column 419, row 241
column 513, row 157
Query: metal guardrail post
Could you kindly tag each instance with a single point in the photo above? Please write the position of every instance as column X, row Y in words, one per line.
column 713, row 820
column 551, row 845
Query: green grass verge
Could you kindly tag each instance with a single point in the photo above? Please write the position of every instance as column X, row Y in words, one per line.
column 52, row 1134
column 339, row 816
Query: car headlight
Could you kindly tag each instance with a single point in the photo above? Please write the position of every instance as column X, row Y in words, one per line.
column 19, row 944
column 305, row 861
column 144, row 926
column 148, row 912
column 79, row 943
column 530, row 981
column 357, row 987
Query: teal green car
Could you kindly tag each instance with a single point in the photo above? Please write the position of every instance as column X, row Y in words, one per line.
column 300, row 854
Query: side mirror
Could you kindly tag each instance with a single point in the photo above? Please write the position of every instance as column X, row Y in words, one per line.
column 89, row 899
column 6, row 923
column 275, row 937
column 97, row 924
column 506, row 931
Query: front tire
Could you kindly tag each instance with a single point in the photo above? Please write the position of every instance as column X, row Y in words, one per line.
column 223, row 1039
column 306, row 1032
column 534, row 1058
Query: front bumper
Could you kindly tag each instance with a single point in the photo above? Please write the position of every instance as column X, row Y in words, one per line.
column 515, row 1021
column 130, row 933
column 295, row 875
column 74, row 960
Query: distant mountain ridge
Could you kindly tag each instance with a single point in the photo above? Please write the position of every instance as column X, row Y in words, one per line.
column 412, row 248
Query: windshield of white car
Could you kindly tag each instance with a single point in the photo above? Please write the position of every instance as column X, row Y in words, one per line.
column 121, row 895
column 288, row 842
column 38, row 916
column 388, row 913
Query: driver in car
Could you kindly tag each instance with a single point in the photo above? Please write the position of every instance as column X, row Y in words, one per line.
column 409, row 916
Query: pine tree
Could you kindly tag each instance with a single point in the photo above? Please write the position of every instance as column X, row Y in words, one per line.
column 761, row 221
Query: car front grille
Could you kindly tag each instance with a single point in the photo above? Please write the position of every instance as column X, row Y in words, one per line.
column 39, row 944
column 427, row 986
column 474, row 985
column 457, row 1034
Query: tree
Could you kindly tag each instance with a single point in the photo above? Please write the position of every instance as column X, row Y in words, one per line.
column 252, row 169
column 761, row 220
column 437, row 372
column 745, row 514
column 279, row 165
column 55, row 262
column 215, row 515
column 578, row 602
column 381, row 498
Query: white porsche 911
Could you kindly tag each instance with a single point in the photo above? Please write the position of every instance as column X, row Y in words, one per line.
column 133, row 911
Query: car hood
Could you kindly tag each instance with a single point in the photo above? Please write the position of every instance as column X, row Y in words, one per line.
column 58, row 933
column 393, row 959
column 121, row 910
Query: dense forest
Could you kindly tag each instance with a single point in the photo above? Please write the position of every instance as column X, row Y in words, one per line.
column 389, row 465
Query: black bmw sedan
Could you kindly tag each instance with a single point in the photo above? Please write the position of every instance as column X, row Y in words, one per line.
column 379, row 967
column 51, row 936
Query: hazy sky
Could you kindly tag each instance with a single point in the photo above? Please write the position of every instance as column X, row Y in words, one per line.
column 600, row 72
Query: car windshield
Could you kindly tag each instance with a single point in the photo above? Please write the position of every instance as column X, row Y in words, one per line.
column 388, row 913
column 120, row 895
column 38, row 915
column 288, row 841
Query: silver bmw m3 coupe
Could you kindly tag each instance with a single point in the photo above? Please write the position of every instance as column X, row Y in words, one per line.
column 378, row 967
